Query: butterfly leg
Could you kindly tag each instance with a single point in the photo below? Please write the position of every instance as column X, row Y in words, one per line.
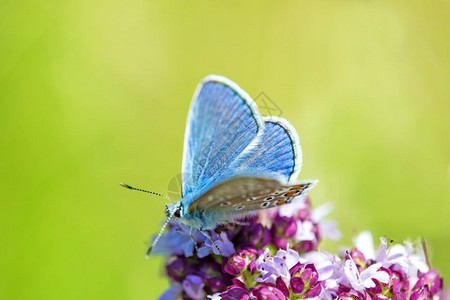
column 191, row 234
column 208, row 236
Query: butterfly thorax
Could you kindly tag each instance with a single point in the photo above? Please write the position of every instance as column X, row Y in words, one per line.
column 196, row 219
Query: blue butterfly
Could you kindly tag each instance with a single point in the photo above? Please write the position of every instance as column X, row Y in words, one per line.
column 235, row 161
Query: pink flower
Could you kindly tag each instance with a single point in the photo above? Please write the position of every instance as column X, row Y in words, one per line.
column 267, row 292
column 278, row 259
column 233, row 293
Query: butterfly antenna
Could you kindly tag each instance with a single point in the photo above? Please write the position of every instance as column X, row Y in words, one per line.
column 390, row 247
column 145, row 191
column 155, row 241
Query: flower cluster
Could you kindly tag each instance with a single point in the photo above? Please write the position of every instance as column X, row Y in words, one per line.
column 274, row 255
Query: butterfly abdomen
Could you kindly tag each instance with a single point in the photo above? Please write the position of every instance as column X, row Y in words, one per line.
column 200, row 220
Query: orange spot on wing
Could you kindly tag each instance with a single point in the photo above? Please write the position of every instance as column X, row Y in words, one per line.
column 291, row 193
column 281, row 202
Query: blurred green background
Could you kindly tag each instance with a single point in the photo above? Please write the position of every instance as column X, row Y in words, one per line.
column 94, row 93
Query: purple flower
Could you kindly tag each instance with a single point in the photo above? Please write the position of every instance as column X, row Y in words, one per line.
column 173, row 293
column 211, row 272
column 422, row 294
column 274, row 255
column 308, row 274
column 358, row 258
column 305, row 280
column 268, row 292
column 297, row 285
column 222, row 242
column 296, row 227
column 430, row 281
column 177, row 241
column 351, row 295
column 242, row 260
column 193, row 287
column 177, row 268
column 281, row 285
column 283, row 229
column 381, row 286
column 209, row 268
column 255, row 236
column 314, row 291
column 233, row 293
column 278, row 266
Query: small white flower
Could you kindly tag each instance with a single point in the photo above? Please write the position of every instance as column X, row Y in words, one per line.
column 329, row 230
column 364, row 243
column 277, row 266
column 322, row 262
column 291, row 209
column 291, row 257
column 320, row 212
column 304, row 231
column 215, row 296
column 409, row 259
column 361, row 281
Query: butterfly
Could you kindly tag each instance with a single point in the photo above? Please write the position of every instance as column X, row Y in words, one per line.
column 235, row 161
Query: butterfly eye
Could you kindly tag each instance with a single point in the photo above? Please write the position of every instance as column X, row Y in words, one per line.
column 176, row 214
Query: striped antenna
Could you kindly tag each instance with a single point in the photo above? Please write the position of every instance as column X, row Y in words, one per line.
column 155, row 241
column 145, row 191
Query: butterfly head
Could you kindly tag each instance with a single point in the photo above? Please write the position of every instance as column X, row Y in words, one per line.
column 176, row 209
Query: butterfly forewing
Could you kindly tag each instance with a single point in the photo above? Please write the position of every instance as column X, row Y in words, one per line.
column 243, row 194
column 223, row 121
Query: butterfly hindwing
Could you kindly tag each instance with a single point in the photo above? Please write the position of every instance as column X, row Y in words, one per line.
column 278, row 152
column 223, row 121
column 244, row 194
column 282, row 196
